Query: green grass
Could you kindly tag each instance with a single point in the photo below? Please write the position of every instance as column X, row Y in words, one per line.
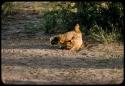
column 100, row 35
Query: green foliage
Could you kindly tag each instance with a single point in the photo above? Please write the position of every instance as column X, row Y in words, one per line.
column 49, row 20
column 88, row 14
column 101, row 13
column 61, row 19
column 100, row 35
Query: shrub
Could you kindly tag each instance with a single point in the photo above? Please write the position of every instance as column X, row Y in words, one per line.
column 58, row 20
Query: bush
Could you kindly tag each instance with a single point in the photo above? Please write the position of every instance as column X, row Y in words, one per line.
column 102, row 14
column 49, row 21
column 100, row 35
column 59, row 20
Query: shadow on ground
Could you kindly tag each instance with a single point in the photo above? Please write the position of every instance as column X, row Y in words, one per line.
column 64, row 62
column 32, row 82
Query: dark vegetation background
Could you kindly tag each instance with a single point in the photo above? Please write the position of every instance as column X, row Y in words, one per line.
column 101, row 21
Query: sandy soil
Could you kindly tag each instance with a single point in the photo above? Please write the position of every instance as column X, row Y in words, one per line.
column 32, row 60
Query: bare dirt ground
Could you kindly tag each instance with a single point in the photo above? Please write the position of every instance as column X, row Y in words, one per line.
column 32, row 60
